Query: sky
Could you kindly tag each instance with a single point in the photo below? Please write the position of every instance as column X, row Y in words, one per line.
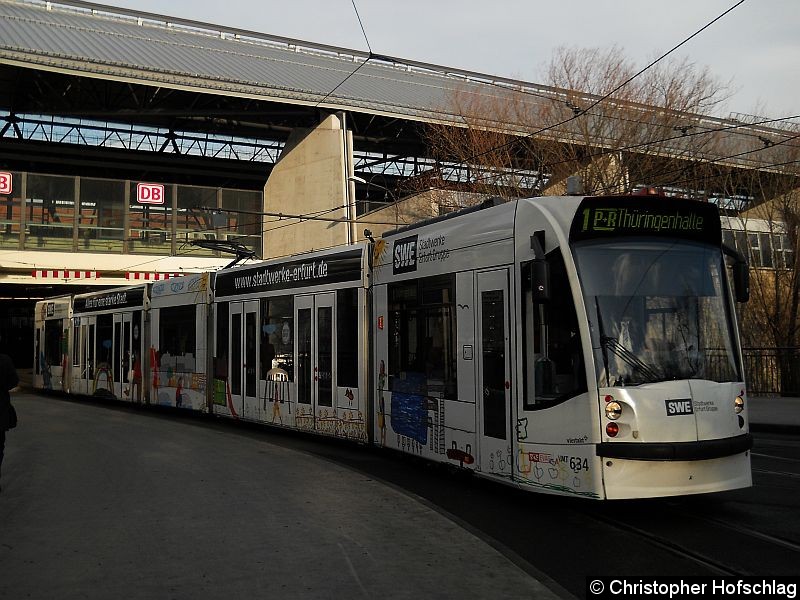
column 755, row 48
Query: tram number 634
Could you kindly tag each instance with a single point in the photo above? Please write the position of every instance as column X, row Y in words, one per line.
column 576, row 463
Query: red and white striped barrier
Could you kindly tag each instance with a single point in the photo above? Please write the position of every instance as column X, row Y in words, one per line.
column 142, row 276
column 63, row 274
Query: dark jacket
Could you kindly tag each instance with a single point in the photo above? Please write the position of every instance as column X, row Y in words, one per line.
column 8, row 381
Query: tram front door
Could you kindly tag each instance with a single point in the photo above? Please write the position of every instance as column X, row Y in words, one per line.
column 494, row 373
column 243, row 361
column 315, row 349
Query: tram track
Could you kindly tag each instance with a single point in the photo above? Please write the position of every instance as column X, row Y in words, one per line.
column 714, row 567
column 778, row 473
column 707, row 540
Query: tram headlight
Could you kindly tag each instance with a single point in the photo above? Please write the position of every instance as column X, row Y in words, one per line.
column 738, row 404
column 613, row 410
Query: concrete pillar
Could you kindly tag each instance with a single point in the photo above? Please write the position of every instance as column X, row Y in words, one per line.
column 309, row 178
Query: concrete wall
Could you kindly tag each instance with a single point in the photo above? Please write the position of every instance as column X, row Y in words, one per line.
column 309, row 178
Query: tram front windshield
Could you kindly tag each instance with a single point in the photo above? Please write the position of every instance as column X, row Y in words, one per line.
column 657, row 311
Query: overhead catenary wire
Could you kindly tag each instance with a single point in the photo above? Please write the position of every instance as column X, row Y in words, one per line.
column 583, row 112
column 624, row 83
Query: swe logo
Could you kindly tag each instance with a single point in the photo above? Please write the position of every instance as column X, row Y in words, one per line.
column 682, row 406
column 405, row 255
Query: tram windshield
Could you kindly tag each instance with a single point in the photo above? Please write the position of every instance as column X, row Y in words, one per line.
column 657, row 311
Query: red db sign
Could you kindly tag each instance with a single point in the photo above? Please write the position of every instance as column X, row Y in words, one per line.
column 5, row 183
column 150, row 193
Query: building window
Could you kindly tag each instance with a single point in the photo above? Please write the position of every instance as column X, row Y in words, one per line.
column 150, row 224
column 244, row 219
column 194, row 219
column 10, row 213
column 50, row 212
column 101, row 227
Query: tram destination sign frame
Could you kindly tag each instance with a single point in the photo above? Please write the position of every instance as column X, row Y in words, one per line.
column 340, row 267
column 110, row 300
column 648, row 216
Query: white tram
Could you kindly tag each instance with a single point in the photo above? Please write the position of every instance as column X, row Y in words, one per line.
column 51, row 353
column 584, row 346
column 291, row 342
column 576, row 346
column 107, row 340
column 176, row 364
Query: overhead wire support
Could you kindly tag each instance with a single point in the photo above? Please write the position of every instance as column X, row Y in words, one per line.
column 303, row 217
column 369, row 57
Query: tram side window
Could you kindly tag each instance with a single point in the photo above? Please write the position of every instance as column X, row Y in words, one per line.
column 552, row 352
column 277, row 335
column 136, row 362
column 347, row 337
column 53, row 337
column 178, row 339
column 221, row 351
column 104, row 341
column 422, row 337
column 77, row 343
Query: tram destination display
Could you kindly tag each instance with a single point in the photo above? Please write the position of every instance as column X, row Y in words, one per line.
column 113, row 299
column 605, row 217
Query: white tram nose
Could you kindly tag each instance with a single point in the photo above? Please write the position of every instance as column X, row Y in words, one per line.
column 674, row 438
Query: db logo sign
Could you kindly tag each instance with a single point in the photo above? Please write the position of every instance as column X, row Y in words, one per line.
column 5, row 183
column 150, row 193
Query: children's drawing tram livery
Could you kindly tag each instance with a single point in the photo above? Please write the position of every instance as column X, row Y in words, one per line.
column 291, row 342
column 174, row 369
column 107, row 341
column 584, row 346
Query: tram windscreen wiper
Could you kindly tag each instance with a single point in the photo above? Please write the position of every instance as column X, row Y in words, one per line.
column 603, row 348
column 629, row 358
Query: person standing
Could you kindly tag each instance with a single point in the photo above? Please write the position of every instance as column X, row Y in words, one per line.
column 8, row 381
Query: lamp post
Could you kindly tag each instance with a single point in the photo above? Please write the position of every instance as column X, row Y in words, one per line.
column 357, row 179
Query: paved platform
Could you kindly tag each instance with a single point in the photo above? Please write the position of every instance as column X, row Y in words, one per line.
column 101, row 503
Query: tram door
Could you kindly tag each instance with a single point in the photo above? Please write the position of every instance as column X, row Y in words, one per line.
column 87, row 356
column 494, row 373
column 315, row 350
column 243, row 366
column 121, row 355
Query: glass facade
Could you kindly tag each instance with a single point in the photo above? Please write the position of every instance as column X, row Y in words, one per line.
column 11, row 213
column 49, row 212
column 81, row 214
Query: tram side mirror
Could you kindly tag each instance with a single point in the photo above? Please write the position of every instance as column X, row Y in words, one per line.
column 539, row 269
column 540, row 280
column 741, row 274
column 741, row 281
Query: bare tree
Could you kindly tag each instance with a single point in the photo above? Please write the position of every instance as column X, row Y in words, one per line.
column 646, row 132
column 772, row 317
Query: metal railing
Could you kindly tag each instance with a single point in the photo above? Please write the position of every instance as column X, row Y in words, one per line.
column 772, row 370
